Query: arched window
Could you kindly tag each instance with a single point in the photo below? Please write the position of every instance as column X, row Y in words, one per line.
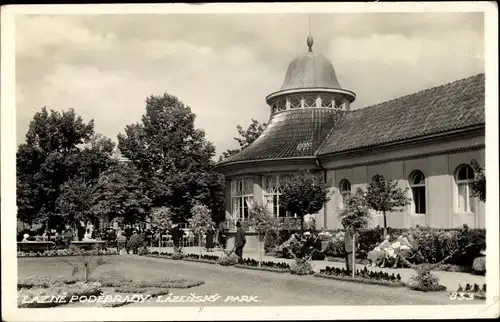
column 241, row 196
column 463, row 174
column 345, row 191
column 417, row 184
column 272, row 186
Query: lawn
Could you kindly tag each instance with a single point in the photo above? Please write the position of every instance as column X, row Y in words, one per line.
column 230, row 284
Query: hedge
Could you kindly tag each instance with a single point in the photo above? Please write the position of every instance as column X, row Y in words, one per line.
column 432, row 245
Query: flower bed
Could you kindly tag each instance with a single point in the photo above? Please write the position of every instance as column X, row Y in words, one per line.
column 40, row 297
column 67, row 252
column 470, row 291
column 36, row 281
column 264, row 266
column 267, row 269
column 208, row 259
column 362, row 276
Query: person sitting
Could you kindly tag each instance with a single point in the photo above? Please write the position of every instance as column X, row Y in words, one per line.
column 378, row 255
column 402, row 248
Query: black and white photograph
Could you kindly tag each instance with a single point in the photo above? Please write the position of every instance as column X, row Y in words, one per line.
column 249, row 161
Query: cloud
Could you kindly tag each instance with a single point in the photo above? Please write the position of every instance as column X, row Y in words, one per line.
column 39, row 35
column 223, row 66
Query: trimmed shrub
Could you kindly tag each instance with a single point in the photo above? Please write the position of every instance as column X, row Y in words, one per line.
column 425, row 281
column 479, row 265
column 301, row 267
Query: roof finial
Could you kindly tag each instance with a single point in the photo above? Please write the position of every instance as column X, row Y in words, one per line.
column 310, row 39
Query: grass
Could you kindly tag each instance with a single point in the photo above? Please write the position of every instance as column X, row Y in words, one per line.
column 50, row 275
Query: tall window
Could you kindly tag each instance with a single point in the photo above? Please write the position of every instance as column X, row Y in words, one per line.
column 417, row 184
column 463, row 174
column 272, row 186
column 345, row 192
column 241, row 196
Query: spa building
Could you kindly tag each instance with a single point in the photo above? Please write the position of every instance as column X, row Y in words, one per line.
column 425, row 141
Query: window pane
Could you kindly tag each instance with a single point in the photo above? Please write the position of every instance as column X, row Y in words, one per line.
column 419, row 199
column 462, row 196
column 465, row 173
column 470, row 202
column 282, row 212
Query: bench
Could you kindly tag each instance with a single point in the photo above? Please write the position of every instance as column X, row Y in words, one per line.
column 35, row 246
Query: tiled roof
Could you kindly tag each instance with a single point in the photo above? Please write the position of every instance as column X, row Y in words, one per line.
column 291, row 133
column 308, row 132
column 452, row 106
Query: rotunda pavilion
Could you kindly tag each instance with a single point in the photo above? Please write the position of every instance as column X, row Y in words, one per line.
column 431, row 135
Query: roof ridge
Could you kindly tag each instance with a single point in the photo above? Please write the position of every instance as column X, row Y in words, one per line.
column 421, row 92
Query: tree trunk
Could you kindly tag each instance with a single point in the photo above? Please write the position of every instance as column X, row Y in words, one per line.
column 302, row 225
column 354, row 255
column 385, row 224
column 260, row 249
column 199, row 243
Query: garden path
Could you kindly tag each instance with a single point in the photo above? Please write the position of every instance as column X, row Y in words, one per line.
column 448, row 279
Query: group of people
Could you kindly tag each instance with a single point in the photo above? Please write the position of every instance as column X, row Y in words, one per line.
column 302, row 245
column 389, row 253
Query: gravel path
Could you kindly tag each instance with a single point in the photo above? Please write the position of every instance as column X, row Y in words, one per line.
column 268, row 288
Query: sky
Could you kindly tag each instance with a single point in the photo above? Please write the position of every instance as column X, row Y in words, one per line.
column 223, row 66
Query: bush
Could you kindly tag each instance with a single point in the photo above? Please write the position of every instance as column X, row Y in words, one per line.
column 479, row 265
column 301, row 267
column 335, row 248
column 425, row 281
column 228, row 260
column 273, row 240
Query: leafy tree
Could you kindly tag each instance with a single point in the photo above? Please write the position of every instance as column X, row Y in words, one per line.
column 478, row 185
column 246, row 137
column 354, row 217
column 161, row 218
column 201, row 221
column 355, row 214
column 172, row 156
column 75, row 201
column 263, row 222
column 304, row 194
column 385, row 196
column 58, row 147
column 119, row 194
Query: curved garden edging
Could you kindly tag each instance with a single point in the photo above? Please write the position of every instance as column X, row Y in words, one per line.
column 361, row 280
column 267, row 269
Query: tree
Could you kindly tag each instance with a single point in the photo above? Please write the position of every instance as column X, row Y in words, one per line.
column 354, row 217
column 58, row 147
column 304, row 194
column 355, row 214
column 161, row 218
column 119, row 193
column 263, row 222
column 75, row 201
column 246, row 137
column 385, row 196
column 172, row 156
column 478, row 184
column 201, row 221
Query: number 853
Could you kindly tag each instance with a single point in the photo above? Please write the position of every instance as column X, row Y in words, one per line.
column 461, row 296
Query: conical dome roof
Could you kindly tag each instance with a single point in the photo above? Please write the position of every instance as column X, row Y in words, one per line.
column 310, row 70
